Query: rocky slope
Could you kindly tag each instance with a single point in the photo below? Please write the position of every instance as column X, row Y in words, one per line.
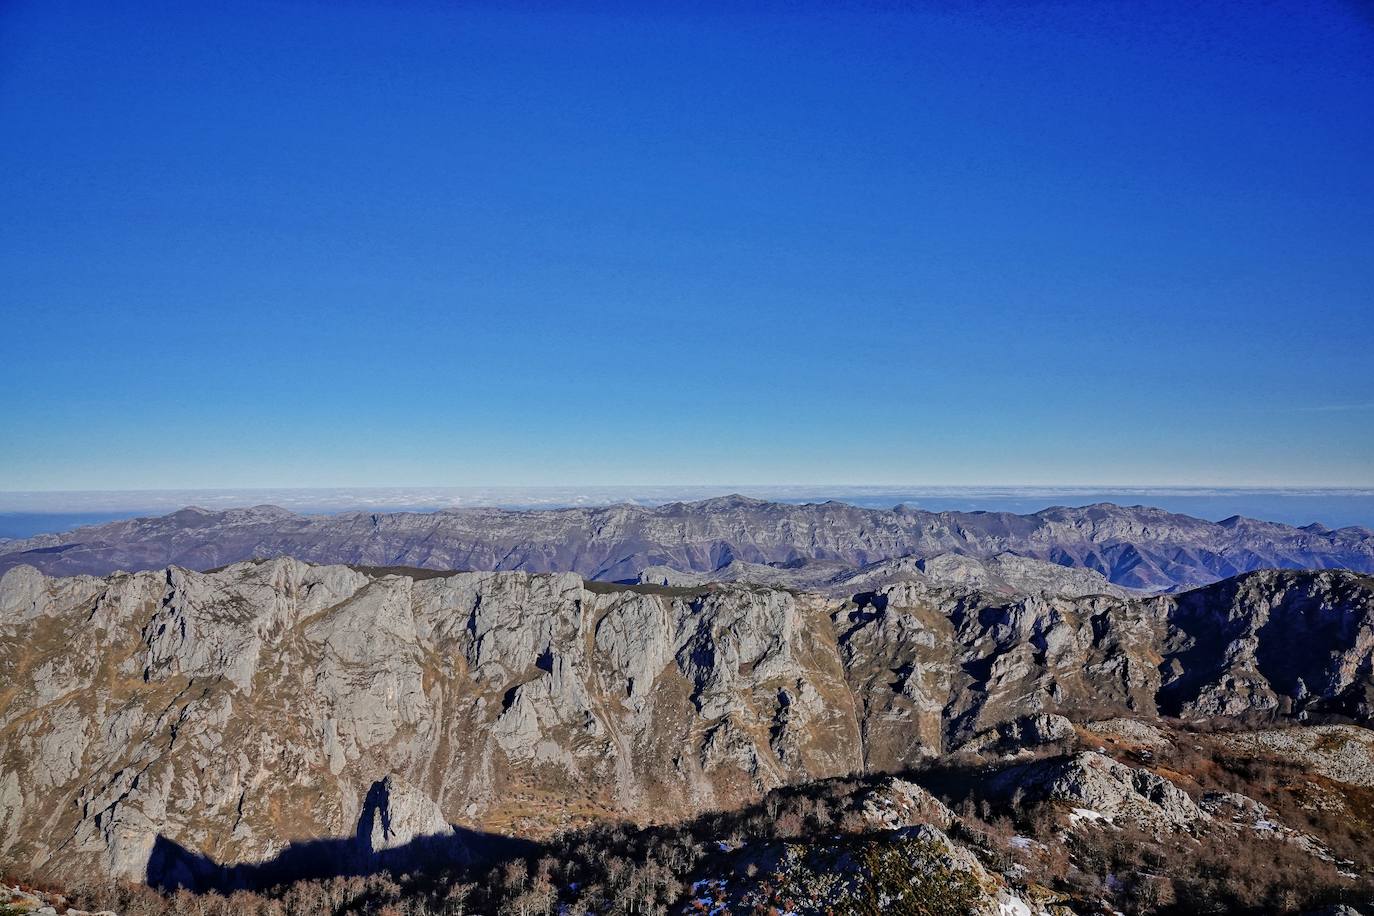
column 1004, row 574
column 1134, row 547
column 1123, row 815
column 157, row 723
column 17, row 899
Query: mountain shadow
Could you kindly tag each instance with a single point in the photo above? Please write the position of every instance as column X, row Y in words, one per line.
column 172, row 867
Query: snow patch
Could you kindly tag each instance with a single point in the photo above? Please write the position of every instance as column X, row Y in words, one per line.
column 1009, row 904
column 1089, row 815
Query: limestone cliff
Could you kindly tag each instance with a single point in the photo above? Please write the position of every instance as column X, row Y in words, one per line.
column 237, row 712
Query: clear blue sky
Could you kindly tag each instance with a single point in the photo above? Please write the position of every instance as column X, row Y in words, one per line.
column 367, row 243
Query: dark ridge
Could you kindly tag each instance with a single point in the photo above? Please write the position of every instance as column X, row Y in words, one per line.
column 597, row 587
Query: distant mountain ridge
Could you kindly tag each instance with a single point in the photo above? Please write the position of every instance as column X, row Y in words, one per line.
column 1132, row 547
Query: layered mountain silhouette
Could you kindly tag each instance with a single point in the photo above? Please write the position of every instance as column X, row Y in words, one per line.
column 731, row 537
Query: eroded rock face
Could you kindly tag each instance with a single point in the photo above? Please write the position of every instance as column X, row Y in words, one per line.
column 958, row 665
column 1277, row 641
column 1100, row 787
column 1002, row 573
column 895, row 804
column 230, row 713
column 395, row 814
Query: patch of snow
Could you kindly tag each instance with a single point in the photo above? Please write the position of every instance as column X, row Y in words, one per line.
column 1089, row 815
column 1009, row 904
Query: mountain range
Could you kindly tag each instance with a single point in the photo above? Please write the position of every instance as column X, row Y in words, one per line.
column 724, row 706
column 156, row 721
column 811, row 546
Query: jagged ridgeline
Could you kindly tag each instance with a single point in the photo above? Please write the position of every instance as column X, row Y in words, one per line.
column 818, row 546
column 161, row 722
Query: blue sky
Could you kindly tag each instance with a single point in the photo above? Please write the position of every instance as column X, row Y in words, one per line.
column 365, row 244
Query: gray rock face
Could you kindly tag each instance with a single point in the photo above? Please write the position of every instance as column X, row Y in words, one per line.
column 1025, row 732
column 1004, row 573
column 1103, row 788
column 896, row 804
column 1274, row 641
column 773, row 543
column 395, row 813
column 1343, row 753
column 231, row 712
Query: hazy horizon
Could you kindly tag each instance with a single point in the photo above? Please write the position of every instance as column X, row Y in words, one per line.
column 24, row 514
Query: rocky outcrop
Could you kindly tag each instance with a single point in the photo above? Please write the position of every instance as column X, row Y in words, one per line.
column 1343, row 753
column 16, row 899
column 731, row 538
column 1004, row 574
column 1272, row 642
column 895, row 804
column 396, row 814
column 227, row 714
column 914, row 869
column 1132, row 734
column 1100, row 788
column 1024, row 732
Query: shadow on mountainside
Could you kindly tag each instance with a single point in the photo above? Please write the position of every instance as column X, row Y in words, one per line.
column 457, row 851
column 173, row 867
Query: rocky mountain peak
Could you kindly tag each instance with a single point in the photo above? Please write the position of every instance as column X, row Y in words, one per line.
column 223, row 711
